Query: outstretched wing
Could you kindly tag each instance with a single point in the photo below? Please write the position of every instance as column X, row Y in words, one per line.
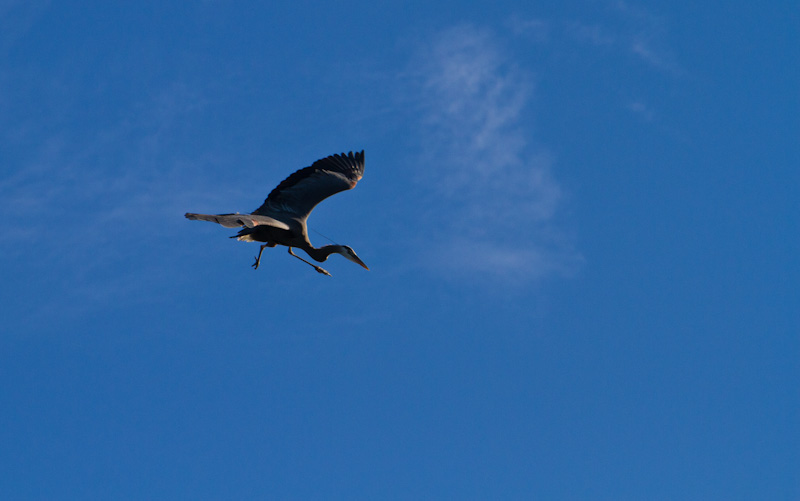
column 236, row 220
column 298, row 194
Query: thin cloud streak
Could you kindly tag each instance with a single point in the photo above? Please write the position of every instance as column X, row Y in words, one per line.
column 642, row 110
column 646, row 40
column 86, row 204
column 537, row 30
column 493, row 191
column 71, row 176
column 631, row 29
column 593, row 34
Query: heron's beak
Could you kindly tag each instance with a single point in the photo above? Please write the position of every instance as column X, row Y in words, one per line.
column 356, row 260
column 351, row 255
column 359, row 261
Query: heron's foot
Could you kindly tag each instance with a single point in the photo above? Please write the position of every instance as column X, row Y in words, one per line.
column 258, row 258
column 322, row 270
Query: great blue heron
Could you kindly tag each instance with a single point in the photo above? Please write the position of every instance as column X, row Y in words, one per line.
column 281, row 219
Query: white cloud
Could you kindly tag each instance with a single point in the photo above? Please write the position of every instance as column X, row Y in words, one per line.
column 87, row 202
column 594, row 34
column 641, row 109
column 514, row 264
column 534, row 29
column 631, row 30
column 645, row 38
column 658, row 57
column 493, row 190
column 108, row 169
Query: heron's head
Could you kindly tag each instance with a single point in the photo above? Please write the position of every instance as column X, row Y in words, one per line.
column 351, row 255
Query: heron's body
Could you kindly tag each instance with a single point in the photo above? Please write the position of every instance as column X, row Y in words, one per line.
column 295, row 236
column 281, row 219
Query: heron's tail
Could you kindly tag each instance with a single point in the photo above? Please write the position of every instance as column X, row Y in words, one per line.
column 244, row 235
column 226, row 220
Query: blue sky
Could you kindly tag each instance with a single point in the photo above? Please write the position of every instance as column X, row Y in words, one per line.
column 579, row 217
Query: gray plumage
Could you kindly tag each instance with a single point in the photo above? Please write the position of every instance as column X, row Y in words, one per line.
column 281, row 219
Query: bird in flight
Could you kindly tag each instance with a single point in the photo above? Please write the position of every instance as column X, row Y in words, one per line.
column 281, row 219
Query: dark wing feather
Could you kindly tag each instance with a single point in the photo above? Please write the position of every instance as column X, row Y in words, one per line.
column 299, row 193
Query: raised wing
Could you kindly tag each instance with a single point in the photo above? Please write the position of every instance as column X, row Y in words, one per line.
column 298, row 194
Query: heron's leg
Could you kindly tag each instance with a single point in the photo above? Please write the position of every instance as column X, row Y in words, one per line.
column 258, row 259
column 320, row 270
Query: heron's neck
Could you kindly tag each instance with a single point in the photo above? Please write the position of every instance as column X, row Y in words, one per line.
column 321, row 254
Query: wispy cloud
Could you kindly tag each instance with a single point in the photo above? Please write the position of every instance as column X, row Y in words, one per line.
column 645, row 37
column 86, row 203
column 627, row 32
column 629, row 29
column 641, row 109
column 534, row 29
column 644, row 47
column 495, row 200
column 593, row 34
column 106, row 172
